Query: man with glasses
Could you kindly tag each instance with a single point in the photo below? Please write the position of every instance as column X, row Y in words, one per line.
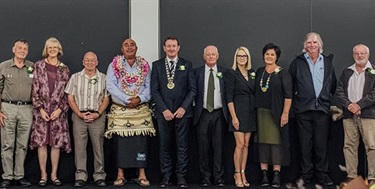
column 16, row 77
column 356, row 92
column 88, row 98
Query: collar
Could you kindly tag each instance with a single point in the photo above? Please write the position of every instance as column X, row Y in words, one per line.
column 368, row 65
column 175, row 60
column 207, row 69
column 13, row 64
column 83, row 73
column 320, row 57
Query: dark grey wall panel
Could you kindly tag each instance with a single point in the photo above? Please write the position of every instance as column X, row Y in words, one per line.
column 343, row 24
column 231, row 23
column 80, row 26
column 253, row 23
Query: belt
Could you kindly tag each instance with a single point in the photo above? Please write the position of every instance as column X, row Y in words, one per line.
column 91, row 111
column 215, row 110
column 17, row 102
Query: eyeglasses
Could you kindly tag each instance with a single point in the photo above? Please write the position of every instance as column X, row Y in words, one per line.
column 241, row 56
column 361, row 53
column 89, row 61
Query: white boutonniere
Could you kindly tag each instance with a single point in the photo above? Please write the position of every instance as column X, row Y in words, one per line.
column 371, row 71
column 61, row 65
column 182, row 68
column 30, row 70
column 219, row 75
column 252, row 75
column 277, row 70
column 93, row 81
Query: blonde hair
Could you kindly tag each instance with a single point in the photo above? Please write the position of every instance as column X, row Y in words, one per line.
column 48, row 42
column 248, row 63
column 320, row 41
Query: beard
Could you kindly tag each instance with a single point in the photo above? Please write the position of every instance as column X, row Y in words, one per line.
column 361, row 62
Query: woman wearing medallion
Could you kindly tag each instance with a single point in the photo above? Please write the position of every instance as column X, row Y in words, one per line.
column 239, row 85
column 50, row 106
column 273, row 93
column 129, row 121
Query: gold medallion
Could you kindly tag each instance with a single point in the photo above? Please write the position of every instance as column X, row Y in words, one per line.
column 264, row 89
column 170, row 85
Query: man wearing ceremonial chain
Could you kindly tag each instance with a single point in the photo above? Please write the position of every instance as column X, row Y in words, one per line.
column 173, row 91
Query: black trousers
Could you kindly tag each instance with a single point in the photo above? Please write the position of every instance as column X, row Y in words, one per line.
column 210, row 134
column 173, row 133
column 313, row 127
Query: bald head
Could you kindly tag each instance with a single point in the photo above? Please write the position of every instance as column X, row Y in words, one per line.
column 211, row 55
column 90, row 61
column 90, row 54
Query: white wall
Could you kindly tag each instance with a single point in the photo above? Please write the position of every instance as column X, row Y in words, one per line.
column 144, row 28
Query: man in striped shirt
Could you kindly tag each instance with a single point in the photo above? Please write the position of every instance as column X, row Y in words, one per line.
column 88, row 98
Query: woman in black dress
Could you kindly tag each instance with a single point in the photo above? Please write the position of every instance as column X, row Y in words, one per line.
column 239, row 85
column 273, row 93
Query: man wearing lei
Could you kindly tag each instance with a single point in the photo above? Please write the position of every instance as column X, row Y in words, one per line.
column 129, row 121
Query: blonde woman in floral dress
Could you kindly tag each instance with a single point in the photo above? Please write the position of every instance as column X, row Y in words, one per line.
column 129, row 121
column 50, row 107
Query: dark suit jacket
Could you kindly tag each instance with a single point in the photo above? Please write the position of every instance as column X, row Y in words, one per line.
column 199, row 79
column 240, row 92
column 182, row 95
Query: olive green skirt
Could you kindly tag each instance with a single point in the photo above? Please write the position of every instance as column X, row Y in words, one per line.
column 269, row 138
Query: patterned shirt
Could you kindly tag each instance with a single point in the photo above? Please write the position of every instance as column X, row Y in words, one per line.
column 88, row 92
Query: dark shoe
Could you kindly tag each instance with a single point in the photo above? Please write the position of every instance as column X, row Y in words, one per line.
column 219, row 183
column 57, row 182
column 142, row 182
column 265, row 182
column 164, row 183
column 181, row 183
column 23, row 182
column 5, row 183
column 206, row 182
column 371, row 182
column 101, row 183
column 304, row 179
column 276, row 179
column 325, row 180
column 79, row 183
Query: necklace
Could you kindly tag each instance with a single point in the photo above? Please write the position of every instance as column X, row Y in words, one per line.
column 130, row 79
column 49, row 62
column 265, row 88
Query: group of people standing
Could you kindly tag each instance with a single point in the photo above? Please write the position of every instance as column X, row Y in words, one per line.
column 36, row 97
